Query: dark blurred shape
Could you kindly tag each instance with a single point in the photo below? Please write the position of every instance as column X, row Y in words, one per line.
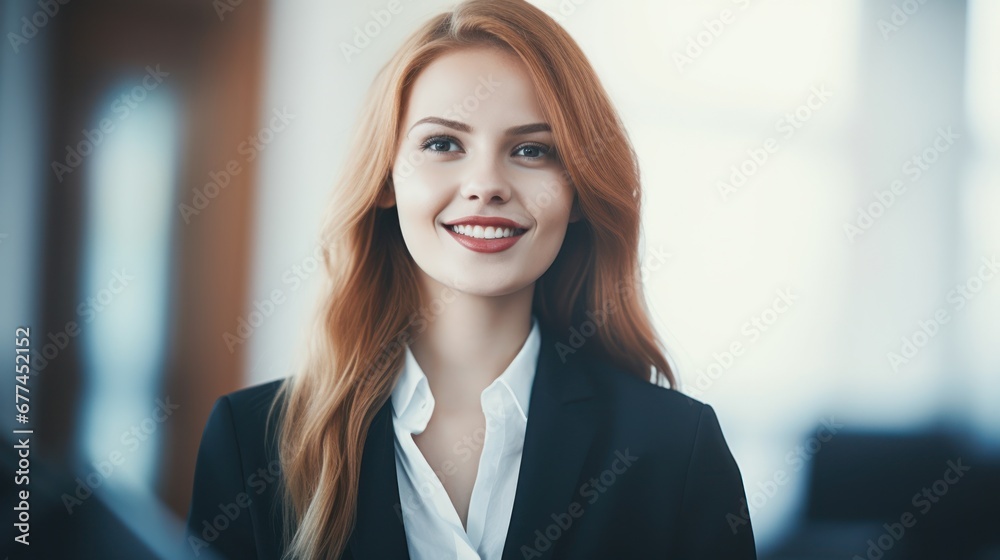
column 893, row 496
column 92, row 530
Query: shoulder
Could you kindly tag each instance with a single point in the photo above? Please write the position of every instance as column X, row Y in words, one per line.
column 691, row 466
column 251, row 402
column 240, row 433
column 236, row 472
column 641, row 400
column 248, row 413
column 664, row 420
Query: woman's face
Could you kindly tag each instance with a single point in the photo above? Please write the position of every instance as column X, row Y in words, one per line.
column 475, row 146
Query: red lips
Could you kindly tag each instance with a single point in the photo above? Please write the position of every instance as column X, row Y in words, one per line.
column 487, row 245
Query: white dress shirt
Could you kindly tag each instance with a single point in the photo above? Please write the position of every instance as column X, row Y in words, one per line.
column 432, row 525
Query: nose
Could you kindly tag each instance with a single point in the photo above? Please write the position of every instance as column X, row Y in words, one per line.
column 486, row 181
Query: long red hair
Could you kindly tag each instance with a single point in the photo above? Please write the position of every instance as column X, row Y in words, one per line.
column 370, row 302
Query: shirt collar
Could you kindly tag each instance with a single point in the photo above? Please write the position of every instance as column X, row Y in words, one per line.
column 412, row 390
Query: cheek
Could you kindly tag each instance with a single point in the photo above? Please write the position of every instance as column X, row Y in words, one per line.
column 419, row 199
column 552, row 201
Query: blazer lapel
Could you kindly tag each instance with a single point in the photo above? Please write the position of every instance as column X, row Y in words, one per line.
column 378, row 532
column 561, row 425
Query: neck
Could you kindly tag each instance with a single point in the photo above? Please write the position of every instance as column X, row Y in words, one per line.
column 468, row 341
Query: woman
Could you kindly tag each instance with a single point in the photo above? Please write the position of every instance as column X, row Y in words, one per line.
column 480, row 383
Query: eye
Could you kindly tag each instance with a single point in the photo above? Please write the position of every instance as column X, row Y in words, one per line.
column 532, row 151
column 439, row 144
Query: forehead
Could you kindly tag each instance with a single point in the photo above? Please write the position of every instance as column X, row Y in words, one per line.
column 474, row 85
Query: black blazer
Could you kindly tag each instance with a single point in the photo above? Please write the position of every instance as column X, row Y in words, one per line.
column 612, row 467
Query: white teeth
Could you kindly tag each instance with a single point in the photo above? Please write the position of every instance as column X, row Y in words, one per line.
column 489, row 232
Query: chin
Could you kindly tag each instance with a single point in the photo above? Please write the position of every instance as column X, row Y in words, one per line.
column 485, row 287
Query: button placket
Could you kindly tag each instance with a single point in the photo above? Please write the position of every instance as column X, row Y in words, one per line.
column 494, row 443
column 495, row 478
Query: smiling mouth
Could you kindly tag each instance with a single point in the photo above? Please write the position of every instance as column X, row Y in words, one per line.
column 485, row 239
column 489, row 232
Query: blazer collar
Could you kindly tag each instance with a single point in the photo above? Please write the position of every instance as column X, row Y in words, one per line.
column 556, row 441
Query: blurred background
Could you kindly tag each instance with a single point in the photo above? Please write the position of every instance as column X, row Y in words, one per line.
column 820, row 246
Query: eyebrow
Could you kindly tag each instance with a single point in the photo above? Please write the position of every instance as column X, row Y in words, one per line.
column 462, row 127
